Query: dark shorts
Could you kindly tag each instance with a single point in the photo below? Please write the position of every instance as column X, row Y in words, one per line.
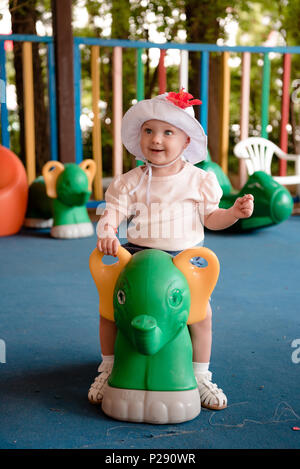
column 133, row 248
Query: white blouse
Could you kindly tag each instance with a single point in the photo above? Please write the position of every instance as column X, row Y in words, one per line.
column 173, row 221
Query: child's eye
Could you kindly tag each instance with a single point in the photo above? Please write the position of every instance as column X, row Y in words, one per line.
column 168, row 132
column 148, row 131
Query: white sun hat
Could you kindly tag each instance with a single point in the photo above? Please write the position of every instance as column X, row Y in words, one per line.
column 174, row 108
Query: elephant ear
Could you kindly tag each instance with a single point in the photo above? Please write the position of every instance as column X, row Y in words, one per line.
column 89, row 167
column 51, row 170
column 201, row 280
column 105, row 278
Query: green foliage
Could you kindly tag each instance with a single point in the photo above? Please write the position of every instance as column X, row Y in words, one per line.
column 204, row 19
column 257, row 20
column 131, row 20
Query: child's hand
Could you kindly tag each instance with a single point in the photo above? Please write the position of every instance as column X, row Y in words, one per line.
column 108, row 246
column 243, row 206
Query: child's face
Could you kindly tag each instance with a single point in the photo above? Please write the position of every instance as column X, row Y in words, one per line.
column 161, row 142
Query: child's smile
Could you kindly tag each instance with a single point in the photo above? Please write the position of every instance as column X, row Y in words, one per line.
column 161, row 143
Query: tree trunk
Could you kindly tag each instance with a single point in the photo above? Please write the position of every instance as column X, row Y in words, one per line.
column 23, row 17
column 214, row 108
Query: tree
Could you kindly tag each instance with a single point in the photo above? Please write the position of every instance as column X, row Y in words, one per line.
column 204, row 22
column 119, row 13
column 204, row 25
column 291, row 28
column 280, row 19
column 164, row 17
column 129, row 20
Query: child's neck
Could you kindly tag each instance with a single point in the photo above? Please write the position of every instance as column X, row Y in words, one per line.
column 168, row 170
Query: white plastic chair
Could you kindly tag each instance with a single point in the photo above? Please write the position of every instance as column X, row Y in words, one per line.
column 258, row 153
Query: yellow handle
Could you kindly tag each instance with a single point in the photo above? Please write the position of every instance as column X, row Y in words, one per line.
column 201, row 280
column 51, row 170
column 105, row 278
column 89, row 167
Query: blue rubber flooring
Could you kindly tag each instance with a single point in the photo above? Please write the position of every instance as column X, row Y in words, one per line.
column 49, row 348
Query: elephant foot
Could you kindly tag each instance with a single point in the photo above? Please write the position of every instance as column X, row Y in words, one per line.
column 76, row 230
column 38, row 223
column 158, row 407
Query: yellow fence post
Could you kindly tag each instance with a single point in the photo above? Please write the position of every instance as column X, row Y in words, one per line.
column 29, row 111
column 244, row 119
column 96, row 135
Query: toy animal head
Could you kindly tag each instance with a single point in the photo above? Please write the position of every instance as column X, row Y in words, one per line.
column 151, row 301
column 151, row 295
column 71, row 184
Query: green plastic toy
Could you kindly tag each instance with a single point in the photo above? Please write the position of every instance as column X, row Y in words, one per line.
column 39, row 212
column 59, row 198
column 153, row 299
column 273, row 203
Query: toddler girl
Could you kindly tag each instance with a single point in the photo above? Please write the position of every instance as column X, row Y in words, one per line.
column 169, row 202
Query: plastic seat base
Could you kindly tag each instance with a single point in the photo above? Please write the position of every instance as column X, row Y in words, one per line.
column 75, row 230
column 157, row 407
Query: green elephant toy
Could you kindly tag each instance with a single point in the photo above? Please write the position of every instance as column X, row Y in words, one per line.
column 39, row 213
column 273, row 203
column 58, row 199
column 152, row 296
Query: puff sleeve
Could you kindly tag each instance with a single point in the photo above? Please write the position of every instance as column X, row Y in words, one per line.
column 211, row 193
column 115, row 209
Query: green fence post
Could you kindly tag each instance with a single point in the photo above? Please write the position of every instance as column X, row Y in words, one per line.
column 265, row 96
column 139, row 82
column 139, row 76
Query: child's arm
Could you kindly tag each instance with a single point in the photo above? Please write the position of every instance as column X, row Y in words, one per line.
column 107, row 228
column 220, row 218
column 109, row 245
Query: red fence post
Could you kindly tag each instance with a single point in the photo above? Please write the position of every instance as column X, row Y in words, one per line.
column 162, row 76
column 285, row 108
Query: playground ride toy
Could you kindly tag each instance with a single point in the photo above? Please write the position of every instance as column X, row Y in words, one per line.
column 273, row 203
column 13, row 192
column 39, row 209
column 62, row 193
column 152, row 297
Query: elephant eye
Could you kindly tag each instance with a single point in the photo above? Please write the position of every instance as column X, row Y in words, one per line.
column 175, row 297
column 121, row 297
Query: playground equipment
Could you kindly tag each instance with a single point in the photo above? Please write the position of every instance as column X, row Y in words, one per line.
column 13, row 192
column 152, row 297
column 272, row 202
column 69, row 188
column 258, row 154
column 39, row 209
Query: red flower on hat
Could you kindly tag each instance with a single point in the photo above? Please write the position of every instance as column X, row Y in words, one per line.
column 182, row 99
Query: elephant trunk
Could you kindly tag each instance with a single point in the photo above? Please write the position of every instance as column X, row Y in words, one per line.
column 147, row 335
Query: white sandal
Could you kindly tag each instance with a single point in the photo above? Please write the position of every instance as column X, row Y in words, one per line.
column 96, row 391
column 211, row 396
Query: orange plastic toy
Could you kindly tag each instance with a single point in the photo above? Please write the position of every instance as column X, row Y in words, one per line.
column 13, row 192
